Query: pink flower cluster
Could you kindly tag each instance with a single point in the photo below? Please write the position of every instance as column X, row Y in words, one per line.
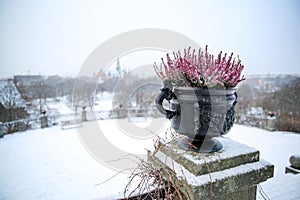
column 201, row 70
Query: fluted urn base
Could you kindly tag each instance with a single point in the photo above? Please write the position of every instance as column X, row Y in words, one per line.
column 199, row 115
column 200, row 145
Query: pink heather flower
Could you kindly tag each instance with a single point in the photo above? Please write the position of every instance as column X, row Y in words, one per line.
column 201, row 70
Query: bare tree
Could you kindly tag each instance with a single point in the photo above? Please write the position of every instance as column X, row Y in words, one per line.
column 12, row 106
column 11, row 102
column 42, row 91
column 84, row 92
column 285, row 103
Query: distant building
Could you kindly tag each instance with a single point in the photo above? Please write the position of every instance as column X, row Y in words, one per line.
column 27, row 84
column 118, row 71
column 269, row 83
column 27, row 80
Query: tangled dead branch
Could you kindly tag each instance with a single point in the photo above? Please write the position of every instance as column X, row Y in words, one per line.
column 152, row 180
column 156, row 181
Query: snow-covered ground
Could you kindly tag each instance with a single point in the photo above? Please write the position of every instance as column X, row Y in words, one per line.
column 60, row 105
column 103, row 101
column 53, row 164
column 275, row 147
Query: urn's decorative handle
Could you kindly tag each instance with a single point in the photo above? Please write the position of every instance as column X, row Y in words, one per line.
column 166, row 93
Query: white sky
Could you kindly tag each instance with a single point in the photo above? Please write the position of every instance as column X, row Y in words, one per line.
column 55, row 37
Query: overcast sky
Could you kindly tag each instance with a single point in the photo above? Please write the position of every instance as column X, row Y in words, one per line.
column 55, row 37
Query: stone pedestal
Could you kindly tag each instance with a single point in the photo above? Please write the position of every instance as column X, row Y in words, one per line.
column 295, row 164
column 1, row 130
column 232, row 173
column 44, row 121
column 83, row 116
column 271, row 123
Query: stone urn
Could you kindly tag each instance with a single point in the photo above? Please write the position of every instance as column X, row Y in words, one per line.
column 198, row 114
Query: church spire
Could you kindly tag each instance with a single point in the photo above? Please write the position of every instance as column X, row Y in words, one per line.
column 118, row 67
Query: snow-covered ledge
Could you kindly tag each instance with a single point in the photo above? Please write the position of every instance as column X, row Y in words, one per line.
column 233, row 173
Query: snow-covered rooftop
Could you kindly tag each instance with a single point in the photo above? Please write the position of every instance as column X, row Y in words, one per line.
column 9, row 94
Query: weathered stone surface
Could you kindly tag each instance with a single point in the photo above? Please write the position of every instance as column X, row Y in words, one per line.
column 293, row 170
column 236, row 178
column 233, row 154
column 243, row 194
column 44, row 121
